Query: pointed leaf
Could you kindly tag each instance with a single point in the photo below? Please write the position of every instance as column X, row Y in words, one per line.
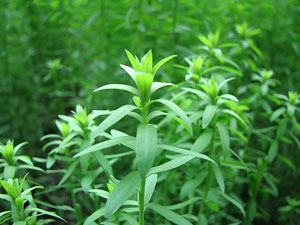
column 161, row 62
column 123, row 190
column 123, row 87
column 146, row 144
column 208, row 115
column 113, row 118
column 168, row 214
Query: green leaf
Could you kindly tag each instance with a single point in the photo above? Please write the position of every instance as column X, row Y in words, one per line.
column 123, row 190
column 191, row 185
column 234, row 202
column 227, row 111
column 9, row 172
column 103, row 162
column 146, row 144
column 175, row 108
column 273, row 151
column 171, row 164
column 219, row 177
column 168, row 214
column 9, row 189
column 157, row 85
column 44, row 212
column 87, row 180
column 96, row 215
column 113, row 118
column 224, row 136
column 134, row 62
column 277, row 113
column 130, row 71
column 104, row 144
column 208, row 115
column 202, row 141
column 149, row 187
column 144, row 83
column 161, row 62
column 69, row 172
column 147, row 62
column 287, row 161
column 123, row 87
column 186, row 152
column 129, row 218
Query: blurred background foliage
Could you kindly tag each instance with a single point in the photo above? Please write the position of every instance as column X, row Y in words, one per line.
column 54, row 53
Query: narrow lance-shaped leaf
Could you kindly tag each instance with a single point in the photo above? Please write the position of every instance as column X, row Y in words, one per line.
column 208, row 115
column 171, row 164
column 104, row 144
column 224, row 136
column 123, row 87
column 134, row 62
column 150, row 186
column 123, row 190
column 175, row 108
column 168, row 214
column 146, row 144
column 161, row 62
column 273, row 151
column 202, row 141
column 113, row 118
column 219, row 177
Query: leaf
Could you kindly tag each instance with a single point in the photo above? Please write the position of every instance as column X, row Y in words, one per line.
column 69, row 172
column 171, row 164
column 202, row 141
column 201, row 94
column 44, row 212
column 224, row 136
column 129, row 218
column 277, row 113
column 147, row 62
column 103, row 162
column 113, row 118
column 236, row 116
column 87, row 180
column 186, row 152
column 175, row 108
column 130, row 71
column 134, row 62
column 149, row 187
column 104, row 144
column 161, row 62
column 9, row 172
column 168, row 214
column 208, row 115
column 123, row 87
column 157, row 85
column 146, row 144
column 123, row 190
column 191, row 185
column 96, row 215
column 234, row 202
column 219, row 177
column 287, row 161
column 272, row 151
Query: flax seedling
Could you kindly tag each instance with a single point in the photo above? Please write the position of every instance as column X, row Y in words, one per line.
column 145, row 143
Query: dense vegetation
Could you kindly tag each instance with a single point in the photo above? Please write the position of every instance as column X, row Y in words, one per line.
column 200, row 127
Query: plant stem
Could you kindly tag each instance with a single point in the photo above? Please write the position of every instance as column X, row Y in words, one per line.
column 142, row 202
column 209, row 179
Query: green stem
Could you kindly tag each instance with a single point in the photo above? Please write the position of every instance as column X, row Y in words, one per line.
column 73, row 196
column 209, row 179
column 142, row 202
